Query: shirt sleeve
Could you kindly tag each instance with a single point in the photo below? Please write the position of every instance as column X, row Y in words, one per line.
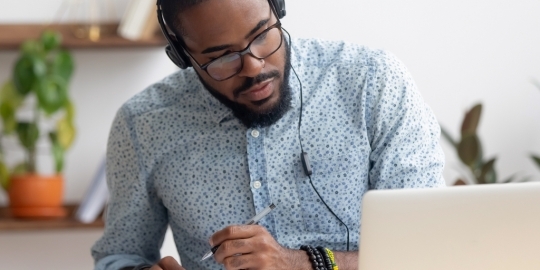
column 403, row 131
column 136, row 219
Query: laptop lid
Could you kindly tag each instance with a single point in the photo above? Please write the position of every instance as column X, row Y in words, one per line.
column 480, row 227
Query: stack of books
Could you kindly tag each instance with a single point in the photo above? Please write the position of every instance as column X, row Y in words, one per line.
column 139, row 21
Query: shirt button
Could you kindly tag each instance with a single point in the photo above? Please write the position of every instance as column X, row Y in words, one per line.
column 255, row 133
column 257, row 184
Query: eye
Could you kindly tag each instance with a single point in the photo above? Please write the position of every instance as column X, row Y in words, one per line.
column 223, row 54
column 262, row 37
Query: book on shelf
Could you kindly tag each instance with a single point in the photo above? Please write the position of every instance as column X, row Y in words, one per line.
column 139, row 21
column 95, row 198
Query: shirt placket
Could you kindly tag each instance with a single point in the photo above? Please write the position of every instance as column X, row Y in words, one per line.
column 258, row 175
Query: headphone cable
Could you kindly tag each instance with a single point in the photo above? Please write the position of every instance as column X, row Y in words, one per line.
column 302, row 148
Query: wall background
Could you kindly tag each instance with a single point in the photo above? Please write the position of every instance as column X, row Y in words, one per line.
column 459, row 52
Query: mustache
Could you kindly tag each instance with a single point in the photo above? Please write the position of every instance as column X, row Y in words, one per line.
column 250, row 82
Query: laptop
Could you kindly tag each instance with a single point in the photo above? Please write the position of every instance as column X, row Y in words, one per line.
column 479, row 227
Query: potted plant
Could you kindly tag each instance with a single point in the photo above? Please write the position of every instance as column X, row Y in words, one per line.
column 38, row 88
column 469, row 149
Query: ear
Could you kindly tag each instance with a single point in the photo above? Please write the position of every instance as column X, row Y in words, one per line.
column 176, row 53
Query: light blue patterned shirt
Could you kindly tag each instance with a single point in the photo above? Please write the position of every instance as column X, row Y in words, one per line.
column 177, row 156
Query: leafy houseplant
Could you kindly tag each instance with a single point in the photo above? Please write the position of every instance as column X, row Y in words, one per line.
column 469, row 150
column 40, row 79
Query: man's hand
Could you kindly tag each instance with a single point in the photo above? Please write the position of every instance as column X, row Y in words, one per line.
column 252, row 247
column 167, row 263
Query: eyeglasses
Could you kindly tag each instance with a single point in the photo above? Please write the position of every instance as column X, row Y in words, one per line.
column 262, row 46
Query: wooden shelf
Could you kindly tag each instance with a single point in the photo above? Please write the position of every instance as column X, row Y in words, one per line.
column 9, row 223
column 12, row 35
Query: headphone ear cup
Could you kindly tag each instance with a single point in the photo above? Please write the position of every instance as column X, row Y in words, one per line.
column 280, row 8
column 179, row 60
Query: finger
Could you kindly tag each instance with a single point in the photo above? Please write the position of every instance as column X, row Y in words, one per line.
column 245, row 261
column 169, row 263
column 234, row 232
column 233, row 247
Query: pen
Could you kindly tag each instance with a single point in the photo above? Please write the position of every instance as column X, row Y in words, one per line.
column 253, row 220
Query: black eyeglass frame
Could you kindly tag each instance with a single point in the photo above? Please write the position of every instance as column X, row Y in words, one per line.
column 246, row 50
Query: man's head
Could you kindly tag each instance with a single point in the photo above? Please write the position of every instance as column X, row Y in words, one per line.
column 257, row 90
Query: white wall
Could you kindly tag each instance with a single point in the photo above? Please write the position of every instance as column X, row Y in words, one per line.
column 459, row 52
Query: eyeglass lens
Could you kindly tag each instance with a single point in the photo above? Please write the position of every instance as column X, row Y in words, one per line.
column 261, row 47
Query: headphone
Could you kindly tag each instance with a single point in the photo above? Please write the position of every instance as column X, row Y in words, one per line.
column 175, row 49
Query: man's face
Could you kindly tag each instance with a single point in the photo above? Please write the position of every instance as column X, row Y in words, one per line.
column 217, row 27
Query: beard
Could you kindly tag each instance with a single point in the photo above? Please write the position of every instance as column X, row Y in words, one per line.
column 258, row 119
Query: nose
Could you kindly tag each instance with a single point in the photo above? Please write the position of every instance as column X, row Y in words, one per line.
column 252, row 66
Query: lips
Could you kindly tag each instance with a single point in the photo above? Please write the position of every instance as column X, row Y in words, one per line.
column 259, row 91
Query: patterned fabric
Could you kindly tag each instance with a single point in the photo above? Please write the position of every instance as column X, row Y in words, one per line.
column 177, row 156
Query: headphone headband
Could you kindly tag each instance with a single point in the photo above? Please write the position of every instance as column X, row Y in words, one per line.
column 175, row 50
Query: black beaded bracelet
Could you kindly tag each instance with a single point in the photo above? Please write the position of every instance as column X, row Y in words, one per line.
column 320, row 260
column 326, row 258
column 315, row 257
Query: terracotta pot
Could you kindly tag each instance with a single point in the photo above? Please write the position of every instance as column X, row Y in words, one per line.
column 36, row 196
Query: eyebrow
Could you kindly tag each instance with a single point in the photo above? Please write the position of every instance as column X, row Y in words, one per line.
column 223, row 47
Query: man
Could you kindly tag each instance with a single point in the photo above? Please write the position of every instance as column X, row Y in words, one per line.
column 209, row 147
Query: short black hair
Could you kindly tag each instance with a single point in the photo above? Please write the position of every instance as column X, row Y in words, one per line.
column 172, row 9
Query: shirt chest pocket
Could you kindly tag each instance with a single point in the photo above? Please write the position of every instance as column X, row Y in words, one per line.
column 340, row 181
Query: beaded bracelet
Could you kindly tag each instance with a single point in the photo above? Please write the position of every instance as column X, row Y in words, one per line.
column 317, row 261
column 326, row 258
column 332, row 259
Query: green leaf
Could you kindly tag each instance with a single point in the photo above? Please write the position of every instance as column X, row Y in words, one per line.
column 28, row 134
column 468, row 149
column 471, row 121
column 51, row 40
column 52, row 94
column 26, row 72
column 58, row 152
column 479, row 163
column 448, row 137
column 66, row 133
column 32, row 47
column 8, row 93
column 63, row 65
column 488, row 175
column 10, row 100
column 4, row 175
column 8, row 118
column 536, row 160
column 70, row 111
